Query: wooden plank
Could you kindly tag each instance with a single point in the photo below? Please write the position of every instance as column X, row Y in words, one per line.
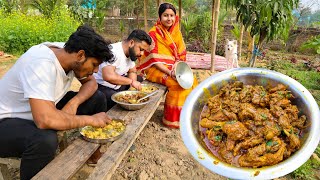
column 68, row 162
column 110, row 160
column 4, row 172
column 4, row 163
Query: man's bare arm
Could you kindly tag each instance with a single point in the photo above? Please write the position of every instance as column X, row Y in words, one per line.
column 109, row 74
column 46, row 116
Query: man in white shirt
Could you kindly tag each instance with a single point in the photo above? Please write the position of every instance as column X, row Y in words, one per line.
column 35, row 101
column 122, row 73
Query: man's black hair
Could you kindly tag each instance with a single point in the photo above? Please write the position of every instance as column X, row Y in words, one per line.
column 94, row 45
column 164, row 6
column 139, row 35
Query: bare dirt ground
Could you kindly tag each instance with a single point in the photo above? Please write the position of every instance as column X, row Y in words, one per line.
column 157, row 153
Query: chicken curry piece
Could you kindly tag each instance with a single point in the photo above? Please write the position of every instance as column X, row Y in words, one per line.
column 250, row 126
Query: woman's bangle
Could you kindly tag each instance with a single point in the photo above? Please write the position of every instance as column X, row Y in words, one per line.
column 171, row 73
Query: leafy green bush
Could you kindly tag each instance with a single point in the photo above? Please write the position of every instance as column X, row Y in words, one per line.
column 313, row 44
column 91, row 12
column 309, row 78
column 19, row 32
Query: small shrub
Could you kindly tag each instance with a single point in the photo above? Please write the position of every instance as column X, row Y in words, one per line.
column 314, row 43
column 19, row 32
column 195, row 46
column 307, row 170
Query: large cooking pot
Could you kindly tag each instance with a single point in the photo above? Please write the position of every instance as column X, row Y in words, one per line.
column 190, row 116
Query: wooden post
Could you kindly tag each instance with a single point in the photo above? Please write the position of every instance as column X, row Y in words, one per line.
column 213, row 49
column 215, row 18
column 180, row 9
column 159, row 2
column 240, row 41
column 145, row 15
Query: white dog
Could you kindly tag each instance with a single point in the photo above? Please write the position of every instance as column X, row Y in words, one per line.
column 231, row 53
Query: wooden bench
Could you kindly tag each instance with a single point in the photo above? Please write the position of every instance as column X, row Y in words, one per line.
column 69, row 161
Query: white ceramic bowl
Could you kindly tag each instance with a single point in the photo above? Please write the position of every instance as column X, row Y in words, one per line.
column 190, row 116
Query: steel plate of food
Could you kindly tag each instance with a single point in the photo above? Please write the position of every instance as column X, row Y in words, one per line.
column 129, row 99
column 147, row 88
column 109, row 133
column 250, row 123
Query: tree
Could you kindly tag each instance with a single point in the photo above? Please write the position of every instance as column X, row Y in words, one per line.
column 268, row 19
column 9, row 5
column 302, row 14
column 145, row 15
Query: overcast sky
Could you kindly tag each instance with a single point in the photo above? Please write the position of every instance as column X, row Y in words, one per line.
column 313, row 4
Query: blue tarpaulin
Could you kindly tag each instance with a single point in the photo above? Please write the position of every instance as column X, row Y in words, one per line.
column 89, row 4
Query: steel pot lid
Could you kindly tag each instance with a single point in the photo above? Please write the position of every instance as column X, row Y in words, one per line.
column 184, row 75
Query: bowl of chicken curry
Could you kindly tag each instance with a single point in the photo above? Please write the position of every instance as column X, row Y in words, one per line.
column 129, row 99
column 250, row 123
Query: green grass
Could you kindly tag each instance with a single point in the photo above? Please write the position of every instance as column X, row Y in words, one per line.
column 309, row 78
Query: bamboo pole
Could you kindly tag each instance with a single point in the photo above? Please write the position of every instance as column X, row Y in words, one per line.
column 159, row 2
column 240, row 41
column 215, row 19
column 145, row 15
column 180, row 9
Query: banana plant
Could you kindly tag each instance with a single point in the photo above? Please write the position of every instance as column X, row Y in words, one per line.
column 188, row 26
column 47, row 7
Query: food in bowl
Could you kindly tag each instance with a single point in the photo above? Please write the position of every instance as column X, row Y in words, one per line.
column 149, row 88
column 146, row 88
column 251, row 126
column 133, row 105
column 131, row 98
column 114, row 129
column 197, row 99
